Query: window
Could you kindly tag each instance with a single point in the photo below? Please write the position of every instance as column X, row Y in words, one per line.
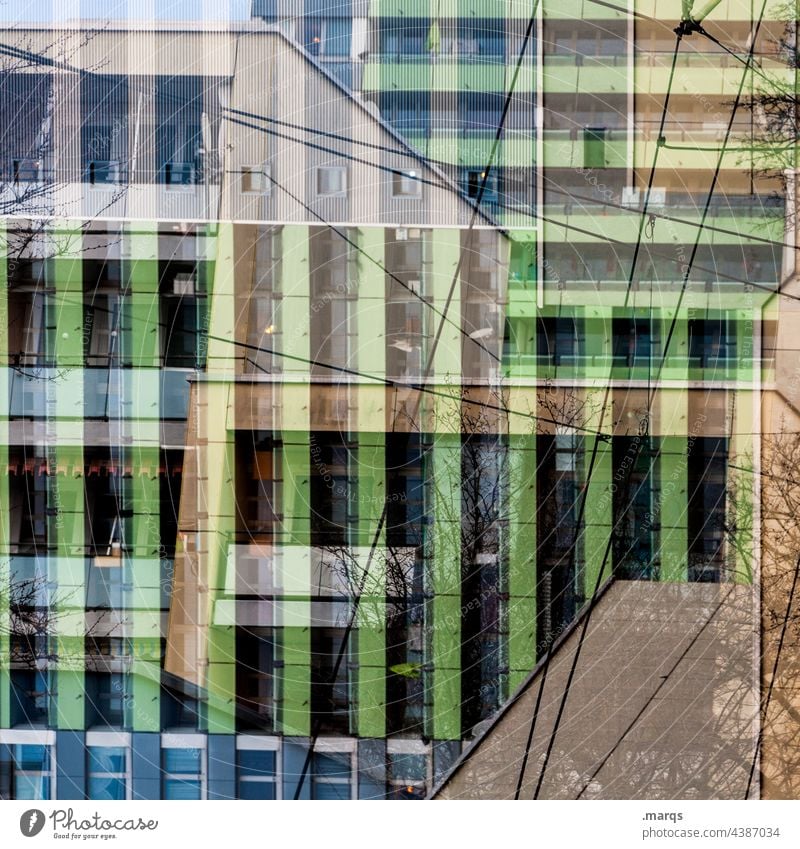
column 474, row 178
column 30, row 327
column 334, row 262
column 482, row 39
column 404, row 37
column 405, row 480
column 261, row 303
column 105, row 511
column 265, row 9
column 104, row 128
column 182, row 773
column 327, row 36
column 406, row 184
column 26, row 121
column 258, row 458
column 179, row 173
column 257, row 774
column 333, row 487
column 182, row 315
column 331, row 181
column 405, row 605
column 408, row 316
column 106, row 697
column 28, row 495
column 636, row 493
column 179, row 709
column 407, row 775
column 179, row 109
column 706, row 485
column 406, row 336
column 482, row 574
column 101, row 171
column 331, row 776
column 479, row 112
column 594, row 147
column 330, row 680
column 256, row 178
column 712, row 342
column 26, row 170
column 558, row 340
column 255, row 677
column 30, row 688
column 107, row 772
column 32, row 770
column 407, row 111
column 558, row 538
column 102, row 326
column 635, row 341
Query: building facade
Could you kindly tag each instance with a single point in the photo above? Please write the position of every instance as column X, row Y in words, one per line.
column 348, row 355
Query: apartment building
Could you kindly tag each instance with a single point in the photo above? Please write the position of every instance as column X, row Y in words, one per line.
column 310, row 459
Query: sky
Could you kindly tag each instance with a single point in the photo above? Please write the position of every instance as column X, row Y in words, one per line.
column 63, row 10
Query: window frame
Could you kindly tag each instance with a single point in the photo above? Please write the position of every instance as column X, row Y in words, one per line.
column 187, row 741
column 341, row 170
column 259, row 744
column 126, row 775
column 263, row 172
column 410, row 176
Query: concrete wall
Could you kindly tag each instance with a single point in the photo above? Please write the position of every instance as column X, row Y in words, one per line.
column 663, row 704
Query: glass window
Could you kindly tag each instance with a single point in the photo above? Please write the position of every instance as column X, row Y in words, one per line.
column 25, row 125
column 407, row 111
column 473, row 179
column 594, row 147
column 707, row 488
column 331, row 776
column 404, row 36
column 257, row 774
column 331, row 180
column 480, row 111
column 182, row 760
column 327, row 36
column 712, row 342
column 256, row 178
column 558, row 340
column 179, row 108
column 32, row 771
column 406, row 184
column 407, row 774
column 107, row 771
column 481, row 38
column 106, row 696
column 104, row 128
column 182, row 789
column 635, row 341
column 182, row 778
column 634, row 504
